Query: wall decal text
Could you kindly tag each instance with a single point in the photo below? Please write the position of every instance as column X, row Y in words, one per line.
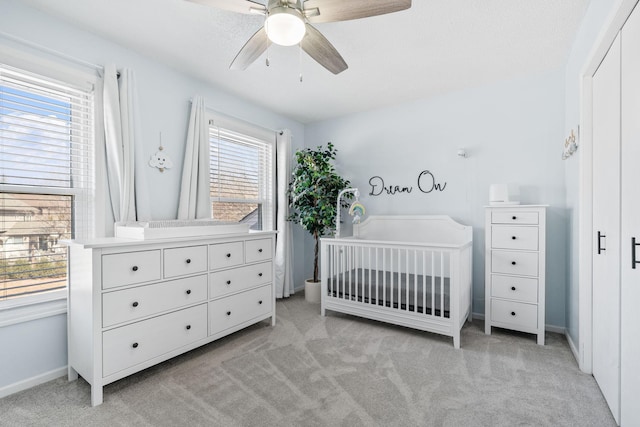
column 426, row 183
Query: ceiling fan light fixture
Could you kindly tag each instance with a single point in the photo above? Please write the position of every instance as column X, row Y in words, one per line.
column 285, row 26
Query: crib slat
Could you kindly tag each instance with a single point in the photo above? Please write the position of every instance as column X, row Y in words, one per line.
column 369, row 281
column 441, row 284
column 424, row 282
column 433, row 283
column 384, row 277
column 415, row 280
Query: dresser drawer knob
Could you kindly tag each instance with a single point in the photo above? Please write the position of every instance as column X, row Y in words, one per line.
column 188, row 291
column 188, row 260
column 228, row 313
column 228, row 282
column 513, row 313
column 134, row 268
column 513, row 237
column 260, row 302
column 260, row 250
column 513, row 263
column 134, row 345
column 188, row 327
column 135, row 303
column 513, row 217
column 260, row 274
column 513, row 288
column 228, row 255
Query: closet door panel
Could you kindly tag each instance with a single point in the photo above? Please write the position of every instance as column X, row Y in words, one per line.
column 606, row 223
column 630, row 271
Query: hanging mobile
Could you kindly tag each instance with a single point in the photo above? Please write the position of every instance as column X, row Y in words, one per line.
column 160, row 159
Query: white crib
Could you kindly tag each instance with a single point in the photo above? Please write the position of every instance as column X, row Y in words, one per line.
column 413, row 271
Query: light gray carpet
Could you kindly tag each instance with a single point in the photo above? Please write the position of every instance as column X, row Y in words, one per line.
column 336, row 371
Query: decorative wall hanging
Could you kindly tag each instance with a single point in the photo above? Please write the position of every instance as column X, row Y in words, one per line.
column 160, row 159
column 426, row 183
column 570, row 145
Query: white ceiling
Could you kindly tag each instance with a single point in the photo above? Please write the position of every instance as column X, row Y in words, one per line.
column 434, row 47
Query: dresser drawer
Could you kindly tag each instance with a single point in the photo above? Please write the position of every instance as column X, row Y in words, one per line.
column 231, row 311
column 225, row 255
column 183, row 261
column 229, row 281
column 522, row 289
column 257, row 250
column 129, row 268
column 514, row 217
column 510, row 262
column 134, row 303
column 133, row 344
column 514, row 237
column 516, row 314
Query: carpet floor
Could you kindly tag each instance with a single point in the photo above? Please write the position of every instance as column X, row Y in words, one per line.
column 337, row 370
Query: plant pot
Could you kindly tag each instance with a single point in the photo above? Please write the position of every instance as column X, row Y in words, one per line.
column 312, row 291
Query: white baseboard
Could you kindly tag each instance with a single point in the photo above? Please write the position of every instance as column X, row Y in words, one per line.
column 572, row 346
column 550, row 328
column 32, row 382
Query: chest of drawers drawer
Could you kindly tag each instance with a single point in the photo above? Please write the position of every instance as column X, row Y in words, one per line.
column 514, row 217
column 524, row 289
column 184, row 261
column 130, row 268
column 512, row 313
column 229, row 281
column 512, row 262
column 226, row 313
column 130, row 345
column 224, row 255
column 257, row 250
column 514, row 237
column 142, row 301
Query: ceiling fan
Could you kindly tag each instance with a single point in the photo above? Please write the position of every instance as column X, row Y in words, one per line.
column 288, row 22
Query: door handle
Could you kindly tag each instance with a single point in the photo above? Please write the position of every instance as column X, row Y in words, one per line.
column 633, row 253
column 600, row 237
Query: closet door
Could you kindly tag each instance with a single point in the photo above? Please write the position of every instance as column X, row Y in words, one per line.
column 630, row 290
column 606, row 223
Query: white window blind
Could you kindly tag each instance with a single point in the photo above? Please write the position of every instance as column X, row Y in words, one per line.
column 241, row 178
column 46, row 178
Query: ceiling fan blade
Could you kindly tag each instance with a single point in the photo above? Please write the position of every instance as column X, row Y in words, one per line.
column 319, row 48
column 341, row 10
column 252, row 49
column 240, row 6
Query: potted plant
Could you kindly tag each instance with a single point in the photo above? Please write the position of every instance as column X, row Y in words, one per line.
column 313, row 193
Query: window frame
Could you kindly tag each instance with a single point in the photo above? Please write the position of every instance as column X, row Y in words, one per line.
column 32, row 60
column 262, row 135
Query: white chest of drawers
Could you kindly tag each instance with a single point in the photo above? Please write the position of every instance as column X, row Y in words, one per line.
column 133, row 304
column 515, row 251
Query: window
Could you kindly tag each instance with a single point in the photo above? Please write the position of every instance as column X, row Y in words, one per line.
column 241, row 175
column 46, row 180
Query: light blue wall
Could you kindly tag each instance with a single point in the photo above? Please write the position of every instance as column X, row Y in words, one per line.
column 513, row 133
column 598, row 14
column 164, row 96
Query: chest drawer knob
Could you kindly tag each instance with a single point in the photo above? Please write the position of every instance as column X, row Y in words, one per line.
column 259, row 274
column 228, row 282
column 135, row 303
column 513, row 218
column 513, row 263
column 228, row 255
column 513, row 237
column 260, row 302
column 260, row 250
column 228, row 313
column 513, row 313
column 188, row 261
column 134, row 268
column 188, row 327
column 513, row 288
column 134, row 345
column 188, row 291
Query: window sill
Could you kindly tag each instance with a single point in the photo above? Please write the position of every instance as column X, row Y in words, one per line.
column 32, row 308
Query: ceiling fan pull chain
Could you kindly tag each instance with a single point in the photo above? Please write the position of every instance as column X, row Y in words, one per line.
column 267, row 60
column 300, row 60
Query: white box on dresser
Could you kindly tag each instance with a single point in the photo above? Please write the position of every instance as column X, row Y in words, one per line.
column 515, row 251
column 133, row 303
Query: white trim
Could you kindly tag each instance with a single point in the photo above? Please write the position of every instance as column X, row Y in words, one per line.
column 572, row 346
column 32, row 382
column 29, row 310
column 585, row 220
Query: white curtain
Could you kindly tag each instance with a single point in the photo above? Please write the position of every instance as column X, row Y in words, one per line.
column 284, row 239
column 195, row 200
column 123, row 145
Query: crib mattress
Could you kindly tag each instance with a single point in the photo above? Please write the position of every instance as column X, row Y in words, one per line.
column 411, row 292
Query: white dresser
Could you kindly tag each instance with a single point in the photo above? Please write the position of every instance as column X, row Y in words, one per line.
column 515, row 268
column 133, row 304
